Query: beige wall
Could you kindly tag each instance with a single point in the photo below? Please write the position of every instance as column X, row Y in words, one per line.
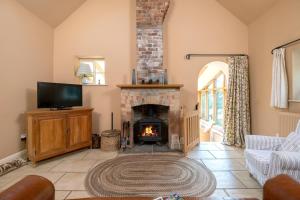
column 278, row 26
column 199, row 26
column 98, row 28
column 26, row 56
column 107, row 28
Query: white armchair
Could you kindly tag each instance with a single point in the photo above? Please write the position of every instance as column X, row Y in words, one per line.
column 268, row 156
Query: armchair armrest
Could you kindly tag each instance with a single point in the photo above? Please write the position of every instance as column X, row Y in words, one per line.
column 283, row 162
column 287, row 160
column 260, row 142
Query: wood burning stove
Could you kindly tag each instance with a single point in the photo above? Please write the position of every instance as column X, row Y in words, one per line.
column 150, row 128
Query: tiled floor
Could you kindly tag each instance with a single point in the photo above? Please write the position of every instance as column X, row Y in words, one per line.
column 227, row 164
column 68, row 172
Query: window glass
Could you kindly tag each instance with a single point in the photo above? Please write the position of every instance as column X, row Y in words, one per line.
column 220, row 108
column 203, row 105
column 97, row 67
column 210, row 102
column 220, row 81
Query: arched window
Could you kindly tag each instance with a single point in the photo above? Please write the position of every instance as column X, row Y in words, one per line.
column 212, row 100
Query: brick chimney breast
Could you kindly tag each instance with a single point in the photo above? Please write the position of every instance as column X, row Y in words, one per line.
column 150, row 15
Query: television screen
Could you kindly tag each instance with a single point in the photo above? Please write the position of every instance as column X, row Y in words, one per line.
column 58, row 95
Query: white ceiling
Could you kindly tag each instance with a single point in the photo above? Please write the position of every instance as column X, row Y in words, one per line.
column 247, row 10
column 52, row 12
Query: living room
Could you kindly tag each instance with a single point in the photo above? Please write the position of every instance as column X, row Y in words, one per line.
column 176, row 62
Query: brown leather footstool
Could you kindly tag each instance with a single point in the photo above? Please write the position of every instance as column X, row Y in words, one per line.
column 30, row 188
column 281, row 187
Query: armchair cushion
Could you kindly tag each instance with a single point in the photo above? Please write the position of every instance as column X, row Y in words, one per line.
column 260, row 159
column 260, row 142
column 285, row 163
column 291, row 143
column 286, row 160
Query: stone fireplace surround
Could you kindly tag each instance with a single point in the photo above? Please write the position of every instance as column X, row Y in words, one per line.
column 166, row 95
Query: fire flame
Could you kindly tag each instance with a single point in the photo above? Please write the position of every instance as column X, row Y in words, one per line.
column 149, row 131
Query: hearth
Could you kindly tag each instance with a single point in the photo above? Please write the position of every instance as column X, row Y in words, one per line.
column 151, row 124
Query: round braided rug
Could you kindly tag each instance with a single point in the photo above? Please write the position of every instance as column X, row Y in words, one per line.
column 151, row 176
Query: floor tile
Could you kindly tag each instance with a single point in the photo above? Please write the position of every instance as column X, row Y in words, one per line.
column 242, row 161
column 10, row 179
column 97, row 163
column 223, row 164
column 96, row 154
column 200, row 155
column 71, row 181
column 205, row 147
column 76, row 155
column 78, row 194
column 74, row 166
column 61, row 195
column 244, row 177
column 208, row 143
column 200, row 161
column 46, row 165
column 227, row 180
column 245, row 193
column 225, row 147
column 218, row 193
column 227, row 154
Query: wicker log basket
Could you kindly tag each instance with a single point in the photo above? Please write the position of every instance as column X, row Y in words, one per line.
column 110, row 140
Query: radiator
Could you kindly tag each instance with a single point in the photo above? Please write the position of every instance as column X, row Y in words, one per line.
column 288, row 123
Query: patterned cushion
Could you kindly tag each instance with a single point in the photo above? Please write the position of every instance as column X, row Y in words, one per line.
column 292, row 143
column 260, row 159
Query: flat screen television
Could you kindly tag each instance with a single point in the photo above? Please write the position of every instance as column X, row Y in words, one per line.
column 58, row 95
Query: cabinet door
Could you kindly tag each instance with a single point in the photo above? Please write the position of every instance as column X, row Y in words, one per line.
column 79, row 131
column 51, row 136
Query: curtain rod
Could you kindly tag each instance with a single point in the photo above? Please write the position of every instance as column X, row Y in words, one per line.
column 188, row 56
column 286, row 44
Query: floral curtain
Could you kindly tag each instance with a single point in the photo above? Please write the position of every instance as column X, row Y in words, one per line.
column 237, row 108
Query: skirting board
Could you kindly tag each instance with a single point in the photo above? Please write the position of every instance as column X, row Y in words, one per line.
column 21, row 154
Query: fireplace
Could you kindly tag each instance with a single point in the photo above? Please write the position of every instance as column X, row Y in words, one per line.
column 165, row 101
column 150, row 124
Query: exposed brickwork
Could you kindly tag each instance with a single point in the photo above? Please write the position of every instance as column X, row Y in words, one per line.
column 150, row 48
column 166, row 97
column 151, row 13
column 150, row 16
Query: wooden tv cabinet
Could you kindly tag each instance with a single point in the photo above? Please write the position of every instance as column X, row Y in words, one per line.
column 52, row 133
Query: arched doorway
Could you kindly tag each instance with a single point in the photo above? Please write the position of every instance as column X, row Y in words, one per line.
column 212, row 82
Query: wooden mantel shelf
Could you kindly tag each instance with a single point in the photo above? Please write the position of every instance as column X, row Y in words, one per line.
column 151, row 86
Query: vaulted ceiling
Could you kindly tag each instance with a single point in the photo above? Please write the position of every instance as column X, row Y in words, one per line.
column 55, row 12
column 52, row 12
column 247, row 10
